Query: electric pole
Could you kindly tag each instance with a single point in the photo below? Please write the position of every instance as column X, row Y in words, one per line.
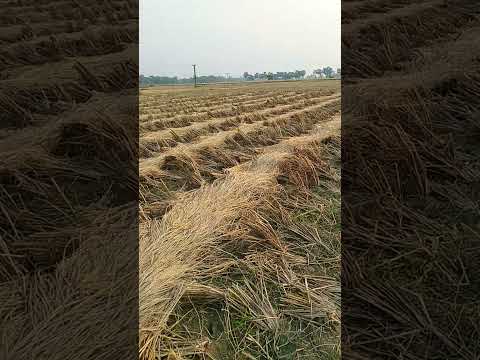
column 195, row 75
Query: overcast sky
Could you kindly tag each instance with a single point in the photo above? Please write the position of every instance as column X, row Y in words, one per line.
column 233, row 36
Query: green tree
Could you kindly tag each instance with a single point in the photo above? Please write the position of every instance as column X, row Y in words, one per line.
column 300, row 74
column 328, row 71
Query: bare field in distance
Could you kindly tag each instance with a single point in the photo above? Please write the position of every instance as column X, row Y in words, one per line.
column 240, row 221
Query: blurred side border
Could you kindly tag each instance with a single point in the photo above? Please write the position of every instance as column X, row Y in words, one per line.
column 410, row 179
column 69, row 179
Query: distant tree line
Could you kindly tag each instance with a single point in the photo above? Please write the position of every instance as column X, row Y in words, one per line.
column 326, row 72
column 279, row 75
column 165, row 80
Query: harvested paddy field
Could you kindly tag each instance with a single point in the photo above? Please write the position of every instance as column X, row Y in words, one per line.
column 239, row 221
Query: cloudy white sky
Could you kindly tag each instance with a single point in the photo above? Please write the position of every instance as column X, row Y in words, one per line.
column 233, row 36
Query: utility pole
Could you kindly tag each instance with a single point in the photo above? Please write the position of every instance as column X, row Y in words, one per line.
column 195, row 75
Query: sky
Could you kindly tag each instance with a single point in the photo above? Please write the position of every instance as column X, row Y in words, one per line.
column 234, row 36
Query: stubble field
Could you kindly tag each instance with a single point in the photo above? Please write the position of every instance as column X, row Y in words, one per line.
column 239, row 221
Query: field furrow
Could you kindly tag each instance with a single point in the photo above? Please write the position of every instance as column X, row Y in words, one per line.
column 152, row 104
column 158, row 141
column 260, row 109
column 153, row 112
column 189, row 166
